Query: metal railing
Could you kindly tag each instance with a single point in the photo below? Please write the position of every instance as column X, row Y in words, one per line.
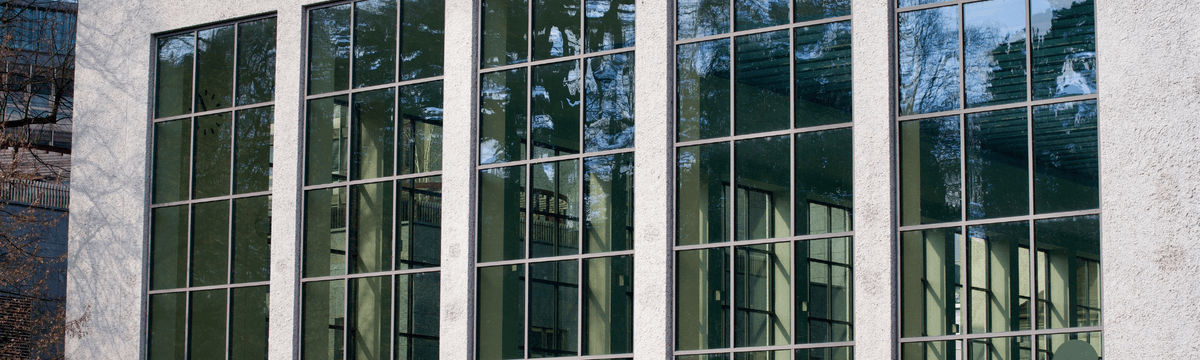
column 35, row 193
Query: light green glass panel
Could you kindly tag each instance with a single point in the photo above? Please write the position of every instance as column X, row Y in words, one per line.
column 214, row 68
column 369, row 316
column 323, row 321
column 997, row 164
column 207, row 325
column 502, row 119
column 422, row 38
column 825, row 291
column 702, row 299
column 1086, row 345
column 325, row 232
column 252, row 239
column 326, row 137
column 1066, row 154
column 172, row 160
column 500, row 313
column 167, row 327
column 930, row 282
column 554, row 202
column 1064, row 48
column 930, row 173
column 608, row 203
column 609, row 24
column 556, row 28
column 1005, row 348
column 703, row 357
column 608, row 107
column 417, row 316
column 824, row 182
column 930, row 65
column 763, row 282
column 256, row 61
column 934, row 350
column 702, row 194
column 373, row 119
column 370, row 243
column 248, row 312
column 210, row 243
column 554, row 109
column 254, row 148
column 169, row 247
column 1068, row 272
column 823, row 87
column 505, row 32
column 554, row 309
column 419, row 223
column 702, row 91
column 502, row 214
column 329, row 49
column 764, row 355
column 212, row 154
column 808, row 10
column 607, row 305
column 420, row 128
column 764, row 186
column 834, row 353
column 173, row 83
column 374, row 42
column 998, row 277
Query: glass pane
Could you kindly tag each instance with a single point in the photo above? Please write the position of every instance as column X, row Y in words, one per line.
column 998, row 276
column 754, row 14
column 995, row 52
column 329, row 49
column 214, row 68
column 421, row 128
column 808, row 10
column 173, row 86
column 1064, row 49
column 252, row 239
column 824, row 182
column 608, row 203
column 997, row 164
column 374, row 117
column 825, row 301
column 374, row 42
column 763, row 281
column 169, row 248
column 502, row 107
column 703, row 357
column 325, row 148
column 323, row 321
column 702, row 194
column 505, row 32
column 1006, row 348
column 930, row 282
column 210, row 243
column 702, row 299
column 417, row 297
column 555, row 28
column 609, row 24
column 248, row 323
column 608, row 305
column 703, row 90
column 823, row 83
column 166, row 327
column 325, row 232
column 501, row 312
column 763, row 355
column 930, row 190
column 172, row 160
column 555, row 202
column 254, row 150
column 836, row 353
column 696, row 18
column 256, row 61
column 929, row 60
column 419, row 223
column 502, row 214
column 1068, row 272
column 1066, row 168
column 764, row 187
column 370, row 243
column 609, row 108
column 213, row 154
column 1088, row 345
column 370, row 318
column 207, row 327
column 554, row 309
column 422, row 38
column 763, row 85
column 936, row 350
column 554, row 109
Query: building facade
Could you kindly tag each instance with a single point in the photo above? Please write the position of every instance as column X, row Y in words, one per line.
column 619, row 179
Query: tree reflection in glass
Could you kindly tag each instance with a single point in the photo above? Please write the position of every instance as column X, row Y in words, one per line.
column 251, row 239
column 212, row 155
column 696, row 18
column 256, row 61
column 763, row 85
column 609, row 24
column 608, row 203
column 930, row 175
column 823, row 84
column 808, row 10
column 173, row 83
column 374, row 42
column 929, row 60
column 373, row 124
column 504, row 25
column 994, row 34
column 609, row 86
column 329, row 49
column 554, row 109
column 502, row 107
column 253, row 150
column 422, row 38
column 420, row 128
column 703, row 90
column 1064, row 48
column 556, row 29
column 214, row 68
column 1066, row 168
column 754, row 14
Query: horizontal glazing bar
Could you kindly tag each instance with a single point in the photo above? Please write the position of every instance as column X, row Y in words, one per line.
column 935, row 5
column 373, row 274
column 765, row 134
column 1000, row 220
column 374, row 87
column 214, row 112
column 223, row 23
column 212, row 287
column 553, row 159
column 211, row 199
column 764, row 241
column 1019, row 105
column 1004, row 334
column 374, row 180
column 764, row 348
column 556, row 60
column 763, row 30
column 554, row 258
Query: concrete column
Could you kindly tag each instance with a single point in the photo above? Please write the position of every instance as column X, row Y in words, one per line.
column 875, row 240
column 286, row 207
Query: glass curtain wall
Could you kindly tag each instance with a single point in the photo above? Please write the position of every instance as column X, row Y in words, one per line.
column 764, row 212
column 999, row 180
column 370, row 277
column 210, row 210
column 555, row 241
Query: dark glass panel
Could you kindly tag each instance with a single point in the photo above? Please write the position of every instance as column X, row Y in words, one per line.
column 554, row 309
column 370, row 243
column 1068, row 272
column 809, row 10
column 763, row 282
column 994, row 52
column 696, row 18
column 763, row 355
column 905, row 3
column 172, row 160
column 930, row 282
column 554, row 229
column 609, row 24
column 997, row 164
column 210, row 243
column 501, row 313
column 824, row 182
column 555, row 28
column 326, row 137
column 1005, row 348
column 256, row 61
column 764, row 187
column 373, row 115
column 325, row 232
column 763, row 85
column 703, row 357
column 823, row 83
column 929, row 61
column 502, row 214
column 703, row 90
column 419, row 223
column 417, row 317
column 421, row 128
column 166, row 334
column 609, row 86
column 825, row 294
column 374, row 42
column 169, row 248
column 1066, row 167
column 702, row 299
column 253, row 157
column 834, row 353
column 505, row 32
column 1064, row 48
column 252, row 239
column 702, row 194
column 329, row 49
column 608, row 203
column 248, row 312
column 213, row 154
column 369, row 318
column 554, row 109
column 323, row 321
column 998, row 277
column 607, row 305
column 934, row 350
column 214, row 68
column 207, row 325
column 930, row 179
column 1087, row 345
column 422, row 38
column 754, row 14
column 173, row 85
column 502, row 107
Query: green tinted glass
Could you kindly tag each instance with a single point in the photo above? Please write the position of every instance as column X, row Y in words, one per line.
column 252, row 239
column 825, row 290
column 702, row 299
column 824, row 182
column 325, row 148
column 763, row 280
column 1068, row 272
column 703, row 90
column 169, row 247
column 172, row 160
column 702, row 214
column 754, row 14
column 500, row 314
column 835, row 353
column 763, row 355
column 210, row 243
column 696, row 18
column 373, row 115
column 505, row 27
column 608, row 203
column 1005, row 348
column 997, row 164
column 1086, row 345
column 212, row 154
column 554, row 202
column 808, row 10
column 703, row 357
column 173, row 83
column 256, row 62
column 370, row 242
column 1066, row 167
column 554, row 109
column 369, row 318
column 419, row 223
column 422, row 38
column 206, row 326
column 607, row 305
column 502, row 214
column 329, row 49
column 502, row 106
column 608, row 120
column 417, row 317
column 764, row 185
column 930, row 179
column 929, row 60
column 609, row 24
column 553, row 309
column 420, row 128
column 214, row 68
column 998, row 277
column 556, row 28
column 374, row 42
column 253, row 150
column 994, row 50
column 323, row 320
column 325, row 232
column 930, row 282
column 823, row 86
column 1064, row 48
column 248, row 312
column 934, row 350
column 166, row 330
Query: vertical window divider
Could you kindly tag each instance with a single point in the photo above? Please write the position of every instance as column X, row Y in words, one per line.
column 526, row 268
column 529, row 4
column 1033, row 265
column 580, row 227
column 732, row 292
column 352, row 57
column 237, row 29
column 395, row 305
column 187, row 327
column 396, row 76
column 346, row 298
column 192, row 94
column 228, row 331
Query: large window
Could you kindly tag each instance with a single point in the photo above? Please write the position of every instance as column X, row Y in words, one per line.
column 999, row 180
column 764, row 197
column 372, row 181
column 211, row 179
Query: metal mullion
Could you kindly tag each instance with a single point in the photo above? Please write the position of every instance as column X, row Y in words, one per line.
column 1031, row 333
column 214, row 112
column 228, row 331
column 965, row 312
column 210, row 287
column 374, row 87
column 763, row 30
column 224, row 23
column 211, row 199
column 187, row 323
column 764, row 134
column 353, row 44
column 936, row 5
column 395, row 308
column 552, row 259
column 396, row 191
column 1000, row 220
column 765, row 241
column 1058, row 100
column 373, row 274
column 732, row 298
column 579, row 307
column 528, row 292
column 559, row 59
column 370, row 181
column 792, row 229
column 237, row 29
column 579, row 201
column 762, row 348
column 195, row 54
column 399, row 57
column 229, row 245
column 346, row 310
column 549, row 159
column 582, row 34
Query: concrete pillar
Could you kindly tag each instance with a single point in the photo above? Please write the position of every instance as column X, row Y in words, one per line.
column 287, row 213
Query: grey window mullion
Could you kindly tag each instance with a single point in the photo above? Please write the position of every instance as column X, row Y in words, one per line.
column 346, row 306
column 528, row 293
column 187, row 324
column 228, row 321
column 395, row 305
column 237, row 29
column 353, row 26
column 396, row 76
column 195, row 52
